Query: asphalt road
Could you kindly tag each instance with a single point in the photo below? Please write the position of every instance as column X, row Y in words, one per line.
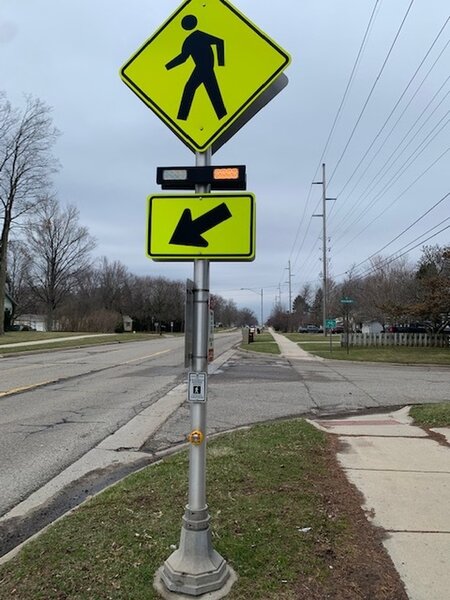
column 251, row 388
column 56, row 406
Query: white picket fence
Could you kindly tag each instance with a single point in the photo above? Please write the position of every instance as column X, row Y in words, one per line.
column 396, row 339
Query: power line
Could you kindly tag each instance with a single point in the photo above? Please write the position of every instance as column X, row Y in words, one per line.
column 312, row 250
column 341, row 105
column 392, row 181
column 406, row 229
column 349, row 83
column 395, row 256
column 371, row 185
column 372, row 90
column 396, row 105
column 393, row 128
column 406, row 164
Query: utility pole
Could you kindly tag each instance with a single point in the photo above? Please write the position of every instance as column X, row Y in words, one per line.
column 323, row 183
column 262, row 309
column 290, row 295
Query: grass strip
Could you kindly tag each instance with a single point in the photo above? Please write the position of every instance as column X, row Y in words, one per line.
column 14, row 337
column 55, row 343
column 263, row 342
column 274, row 519
column 431, row 415
column 393, row 354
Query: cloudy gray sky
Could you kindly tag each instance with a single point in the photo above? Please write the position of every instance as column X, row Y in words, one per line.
column 387, row 157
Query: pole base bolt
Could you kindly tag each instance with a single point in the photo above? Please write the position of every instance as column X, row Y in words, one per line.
column 196, row 437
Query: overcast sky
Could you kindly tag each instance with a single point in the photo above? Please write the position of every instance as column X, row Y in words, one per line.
column 385, row 175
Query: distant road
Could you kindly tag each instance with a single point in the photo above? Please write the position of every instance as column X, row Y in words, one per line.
column 251, row 388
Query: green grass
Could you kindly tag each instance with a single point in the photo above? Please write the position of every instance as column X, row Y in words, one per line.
column 14, row 337
column 311, row 337
column 431, row 415
column 263, row 485
column 394, row 354
column 54, row 343
column 263, row 342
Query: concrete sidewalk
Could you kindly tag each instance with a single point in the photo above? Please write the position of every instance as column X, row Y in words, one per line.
column 404, row 475
column 54, row 340
column 290, row 349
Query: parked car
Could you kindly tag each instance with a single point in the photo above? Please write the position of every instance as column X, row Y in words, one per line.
column 407, row 329
column 310, row 329
column 337, row 329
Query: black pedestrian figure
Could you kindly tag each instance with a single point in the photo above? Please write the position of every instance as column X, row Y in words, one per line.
column 198, row 46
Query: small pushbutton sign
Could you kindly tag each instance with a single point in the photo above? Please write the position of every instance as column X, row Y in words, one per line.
column 197, row 387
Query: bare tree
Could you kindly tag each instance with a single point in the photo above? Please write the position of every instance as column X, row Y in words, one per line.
column 433, row 277
column 166, row 299
column 278, row 318
column 83, row 301
column 387, row 291
column 114, row 288
column 229, row 313
column 383, row 294
column 26, row 163
column 155, row 300
column 60, row 249
column 18, row 276
column 245, row 316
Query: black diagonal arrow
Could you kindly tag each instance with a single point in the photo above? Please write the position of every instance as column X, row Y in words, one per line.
column 189, row 231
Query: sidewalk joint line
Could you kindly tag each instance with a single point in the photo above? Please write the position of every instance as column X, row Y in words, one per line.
column 381, row 470
column 433, row 531
column 380, row 435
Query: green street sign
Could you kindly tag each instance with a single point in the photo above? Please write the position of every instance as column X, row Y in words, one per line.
column 330, row 323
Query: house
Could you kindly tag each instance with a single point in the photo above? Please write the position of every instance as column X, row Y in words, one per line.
column 372, row 327
column 127, row 323
column 34, row 322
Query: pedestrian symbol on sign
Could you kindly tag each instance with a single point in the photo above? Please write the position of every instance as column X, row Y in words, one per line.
column 206, row 72
column 197, row 387
column 198, row 46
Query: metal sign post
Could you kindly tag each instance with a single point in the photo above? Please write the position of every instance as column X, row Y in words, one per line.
column 195, row 568
column 330, row 324
column 188, row 323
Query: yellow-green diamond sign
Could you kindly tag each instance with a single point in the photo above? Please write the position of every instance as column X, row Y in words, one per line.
column 195, row 226
column 203, row 68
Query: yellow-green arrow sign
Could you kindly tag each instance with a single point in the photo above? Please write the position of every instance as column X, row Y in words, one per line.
column 196, row 226
column 203, row 68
